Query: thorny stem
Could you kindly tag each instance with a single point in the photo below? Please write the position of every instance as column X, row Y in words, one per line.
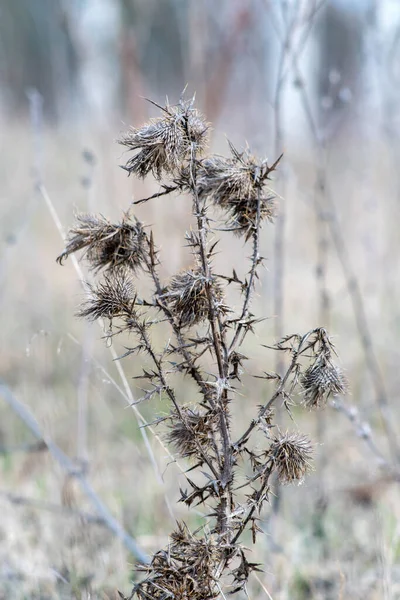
column 168, row 189
column 264, row 409
column 259, row 495
column 226, row 470
column 254, row 265
column 189, row 359
column 142, row 332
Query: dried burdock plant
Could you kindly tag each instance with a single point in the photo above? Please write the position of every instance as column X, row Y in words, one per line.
column 206, row 335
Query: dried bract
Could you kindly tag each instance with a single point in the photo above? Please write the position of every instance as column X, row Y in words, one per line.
column 237, row 184
column 113, row 297
column 107, row 245
column 291, row 454
column 187, row 297
column 163, row 143
column 320, row 381
column 191, row 429
column 187, row 569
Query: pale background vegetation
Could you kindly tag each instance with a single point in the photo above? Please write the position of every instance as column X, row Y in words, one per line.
column 92, row 62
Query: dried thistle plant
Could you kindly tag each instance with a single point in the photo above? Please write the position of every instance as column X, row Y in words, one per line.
column 187, row 299
column 162, row 144
column 203, row 325
column 107, row 245
column 291, row 454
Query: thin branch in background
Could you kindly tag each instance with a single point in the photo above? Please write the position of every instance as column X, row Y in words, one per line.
column 113, row 352
column 39, row 446
column 88, row 336
column 279, row 241
column 128, row 404
column 63, row 511
column 329, row 213
column 35, row 107
column 362, row 429
column 288, row 47
column 82, row 399
column 70, row 468
column 255, row 575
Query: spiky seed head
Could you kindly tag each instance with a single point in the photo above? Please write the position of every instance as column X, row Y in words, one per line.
column 322, row 380
column 291, row 454
column 235, row 184
column 187, row 298
column 186, row 569
column 113, row 297
column 163, row 143
column 107, row 245
column 193, row 430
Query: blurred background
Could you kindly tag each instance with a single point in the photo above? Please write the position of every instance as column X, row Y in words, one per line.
column 317, row 80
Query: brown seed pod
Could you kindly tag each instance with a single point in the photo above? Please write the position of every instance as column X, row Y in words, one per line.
column 193, row 430
column 235, row 184
column 322, row 380
column 113, row 297
column 163, row 143
column 107, row 245
column 186, row 296
column 291, row 454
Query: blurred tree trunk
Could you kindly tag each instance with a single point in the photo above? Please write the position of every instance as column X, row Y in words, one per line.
column 36, row 51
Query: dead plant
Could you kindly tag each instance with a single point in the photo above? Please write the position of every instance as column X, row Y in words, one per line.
column 204, row 329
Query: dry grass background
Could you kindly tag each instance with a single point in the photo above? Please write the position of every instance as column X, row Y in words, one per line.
column 347, row 548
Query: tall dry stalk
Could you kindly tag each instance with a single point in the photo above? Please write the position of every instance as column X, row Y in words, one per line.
column 233, row 475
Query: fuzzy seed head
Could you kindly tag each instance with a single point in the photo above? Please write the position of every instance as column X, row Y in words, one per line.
column 113, row 297
column 187, row 297
column 235, row 184
column 320, row 381
column 107, row 245
column 195, row 429
column 291, row 454
column 163, row 143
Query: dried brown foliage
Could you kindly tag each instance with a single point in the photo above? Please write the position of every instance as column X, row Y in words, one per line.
column 186, row 569
column 203, row 325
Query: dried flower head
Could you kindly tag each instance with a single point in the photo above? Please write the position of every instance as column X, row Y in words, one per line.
column 187, row 569
column 291, row 454
column 107, row 245
column 322, row 380
column 164, row 142
column 113, row 297
column 186, row 296
column 194, row 429
column 235, row 184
